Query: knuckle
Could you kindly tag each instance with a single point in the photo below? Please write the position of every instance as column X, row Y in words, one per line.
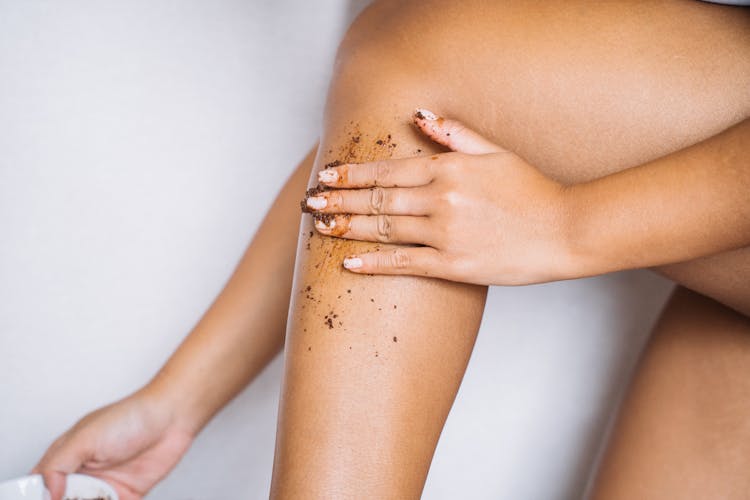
column 336, row 200
column 452, row 163
column 382, row 260
column 450, row 198
column 382, row 171
column 400, row 259
column 377, row 200
column 456, row 266
column 384, row 228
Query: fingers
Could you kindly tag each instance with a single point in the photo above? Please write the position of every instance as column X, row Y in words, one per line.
column 421, row 261
column 373, row 201
column 61, row 458
column 55, row 484
column 381, row 228
column 453, row 134
column 410, row 172
column 401, row 172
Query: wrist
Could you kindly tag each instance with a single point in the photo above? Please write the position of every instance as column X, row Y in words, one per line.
column 590, row 230
column 173, row 401
column 574, row 246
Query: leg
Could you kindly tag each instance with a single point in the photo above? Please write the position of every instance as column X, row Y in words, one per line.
column 553, row 82
column 724, row 277
column 372, row 363
column 684, row 430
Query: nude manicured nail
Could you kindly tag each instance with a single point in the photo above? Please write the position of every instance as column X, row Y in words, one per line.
column 316, row 202
column 324, row 226
column 352, row 262
column 425, row 114
column 328, row 176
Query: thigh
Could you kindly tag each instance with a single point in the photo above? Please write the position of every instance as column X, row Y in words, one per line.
column 579, row 88
column 582, row 89
column 724, row 277
column 684, row 427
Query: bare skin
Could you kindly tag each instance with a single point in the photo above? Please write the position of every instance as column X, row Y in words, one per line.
column 579, row 89
column 684, row 430
column 371, row 369
column 486, row 216
column 572, row 103
column 135, row 442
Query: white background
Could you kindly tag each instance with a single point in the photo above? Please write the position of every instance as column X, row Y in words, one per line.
column 140, row 144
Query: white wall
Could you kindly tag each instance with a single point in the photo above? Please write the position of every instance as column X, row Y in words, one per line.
column 140, row 143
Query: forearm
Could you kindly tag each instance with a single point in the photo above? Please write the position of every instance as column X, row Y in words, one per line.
column 244, row 328
column 691, row 203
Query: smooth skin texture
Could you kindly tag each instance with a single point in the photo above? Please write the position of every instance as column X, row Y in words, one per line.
column 579, row 90
column 684, row 430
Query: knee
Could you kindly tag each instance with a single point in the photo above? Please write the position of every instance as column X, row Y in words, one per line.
column 384, row 49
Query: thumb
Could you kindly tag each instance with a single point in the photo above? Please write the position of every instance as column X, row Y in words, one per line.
column 453, row 134
column 62, row 458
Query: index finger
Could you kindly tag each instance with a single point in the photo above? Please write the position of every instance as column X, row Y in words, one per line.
column 401, row 172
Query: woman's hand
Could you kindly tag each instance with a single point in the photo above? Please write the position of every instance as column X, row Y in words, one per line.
column 482, row 213
column 131, row 444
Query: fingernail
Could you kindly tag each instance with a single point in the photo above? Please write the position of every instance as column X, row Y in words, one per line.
column 325, row 226
column 328, row 175
column 352, row 262
column 425, row 114
column 316, row 202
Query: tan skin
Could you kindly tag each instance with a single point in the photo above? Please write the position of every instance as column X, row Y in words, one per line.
column 683, row 430
column 579, row 91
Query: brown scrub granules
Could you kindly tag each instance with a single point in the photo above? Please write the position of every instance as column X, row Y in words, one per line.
column 324, row 218
column 313, row 191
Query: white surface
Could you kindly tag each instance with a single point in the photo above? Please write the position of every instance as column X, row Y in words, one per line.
column 77, row 486
column 140, row 143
